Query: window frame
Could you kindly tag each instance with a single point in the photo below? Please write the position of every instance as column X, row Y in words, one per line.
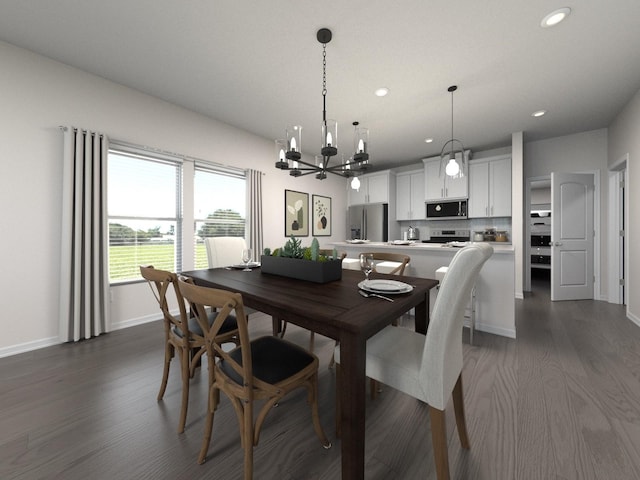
column 185, row 221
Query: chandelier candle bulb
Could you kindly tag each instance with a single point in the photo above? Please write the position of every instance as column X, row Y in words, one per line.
column 281, row 147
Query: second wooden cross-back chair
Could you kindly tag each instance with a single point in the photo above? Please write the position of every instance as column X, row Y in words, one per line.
column 261, row 370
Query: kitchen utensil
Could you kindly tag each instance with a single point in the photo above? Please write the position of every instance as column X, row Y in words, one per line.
column 413, row 233
column 367, row 294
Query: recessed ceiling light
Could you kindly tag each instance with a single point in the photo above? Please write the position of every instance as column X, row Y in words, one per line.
column 538, row 113
column 382, row 91
column 428, row 140
column 555, row 17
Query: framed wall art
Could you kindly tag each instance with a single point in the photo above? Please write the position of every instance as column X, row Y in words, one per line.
column 321, row 207
column 296, row 213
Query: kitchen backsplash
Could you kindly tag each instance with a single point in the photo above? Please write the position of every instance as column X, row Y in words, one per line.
column 472, row 224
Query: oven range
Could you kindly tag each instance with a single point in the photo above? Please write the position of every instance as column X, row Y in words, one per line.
column 446, row 236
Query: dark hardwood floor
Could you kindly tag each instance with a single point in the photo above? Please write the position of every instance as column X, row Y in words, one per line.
column 560, row 402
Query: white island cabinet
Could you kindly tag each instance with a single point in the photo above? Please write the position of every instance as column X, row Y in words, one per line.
column 495, row 288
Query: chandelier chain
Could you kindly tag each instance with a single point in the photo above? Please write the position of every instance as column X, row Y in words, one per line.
column 324, row 69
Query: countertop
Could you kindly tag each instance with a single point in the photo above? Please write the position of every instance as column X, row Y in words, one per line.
column 498, row 247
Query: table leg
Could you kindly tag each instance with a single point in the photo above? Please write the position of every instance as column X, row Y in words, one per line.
column 422, row 316
column 276, row 325
column 352, row 402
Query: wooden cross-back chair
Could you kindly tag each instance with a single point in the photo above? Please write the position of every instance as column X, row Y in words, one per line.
column 402, row 260
column 183, row 335
column 264, row 369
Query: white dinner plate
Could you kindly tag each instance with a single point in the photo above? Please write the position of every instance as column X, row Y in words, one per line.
column 401, row 242
column 249, row 265
column 356, row 241
column 385, row 286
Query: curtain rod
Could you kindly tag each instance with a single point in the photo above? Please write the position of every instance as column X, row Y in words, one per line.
column 165, row 152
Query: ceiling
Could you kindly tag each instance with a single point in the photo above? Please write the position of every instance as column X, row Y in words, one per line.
column 258, row 66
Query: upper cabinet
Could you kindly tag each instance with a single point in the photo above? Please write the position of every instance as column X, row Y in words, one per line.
column 490, row 187
column 437, row 187
column 410, row 196
column 374, row 188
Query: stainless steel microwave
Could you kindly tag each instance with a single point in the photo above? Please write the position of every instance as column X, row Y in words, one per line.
column 447, row 210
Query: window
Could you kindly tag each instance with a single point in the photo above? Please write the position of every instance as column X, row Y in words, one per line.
column 219, row 207
column 144, row 214
column 147, row 222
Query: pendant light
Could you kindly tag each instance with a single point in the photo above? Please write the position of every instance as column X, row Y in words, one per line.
column 453, row 150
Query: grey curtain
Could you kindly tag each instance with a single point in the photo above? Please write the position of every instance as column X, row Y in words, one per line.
column 255, row 237
column 84, row 272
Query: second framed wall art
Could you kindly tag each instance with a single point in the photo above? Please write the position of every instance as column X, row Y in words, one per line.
column 321, row 207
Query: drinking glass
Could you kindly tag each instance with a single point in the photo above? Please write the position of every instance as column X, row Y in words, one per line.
column 246, row 258
column 366, row 264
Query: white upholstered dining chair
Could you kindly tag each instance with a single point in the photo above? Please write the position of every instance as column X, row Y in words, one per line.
column 429, row 367
column 224, row 251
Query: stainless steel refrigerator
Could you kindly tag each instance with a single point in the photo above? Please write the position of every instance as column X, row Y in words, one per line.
column 368, row 222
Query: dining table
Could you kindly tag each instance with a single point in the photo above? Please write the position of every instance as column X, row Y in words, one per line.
column 337, row 310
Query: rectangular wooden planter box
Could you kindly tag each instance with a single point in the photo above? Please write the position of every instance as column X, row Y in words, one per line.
column 318, row 272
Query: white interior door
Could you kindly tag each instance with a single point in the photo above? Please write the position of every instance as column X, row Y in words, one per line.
column 572, row 236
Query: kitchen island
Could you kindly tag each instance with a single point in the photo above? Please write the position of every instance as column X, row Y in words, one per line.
column 495, row 288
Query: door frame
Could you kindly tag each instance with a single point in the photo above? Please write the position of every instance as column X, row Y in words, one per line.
column 596, row 226
column 618, row 172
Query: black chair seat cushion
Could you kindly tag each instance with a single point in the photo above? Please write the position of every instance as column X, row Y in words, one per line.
column 230, row 323
column 273, row 360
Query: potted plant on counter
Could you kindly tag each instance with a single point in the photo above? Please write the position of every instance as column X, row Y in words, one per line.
column 304, row 263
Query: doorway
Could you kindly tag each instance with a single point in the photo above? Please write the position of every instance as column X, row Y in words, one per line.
column 538, row 233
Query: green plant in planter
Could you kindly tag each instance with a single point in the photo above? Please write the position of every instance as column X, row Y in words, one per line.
column 294, row 249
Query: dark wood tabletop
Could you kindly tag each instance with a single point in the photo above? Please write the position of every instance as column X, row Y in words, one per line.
column 336, row 310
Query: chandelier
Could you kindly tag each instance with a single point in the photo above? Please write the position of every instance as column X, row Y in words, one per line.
column 289, row 151
column 451, row 149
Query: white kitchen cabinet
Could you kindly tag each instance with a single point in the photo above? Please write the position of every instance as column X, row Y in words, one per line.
column 374, row 188
column 490, row 187
column 438, row 187
column 410, row 196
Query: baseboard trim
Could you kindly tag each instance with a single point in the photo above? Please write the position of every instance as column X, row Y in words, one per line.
column 135, row 321
column 503, row 332
column 28, row 346
column 633, row 317
column 49, row 342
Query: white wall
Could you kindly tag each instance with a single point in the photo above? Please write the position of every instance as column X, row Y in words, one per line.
column 39, row 95
column 624, row 138
column 581, row 152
